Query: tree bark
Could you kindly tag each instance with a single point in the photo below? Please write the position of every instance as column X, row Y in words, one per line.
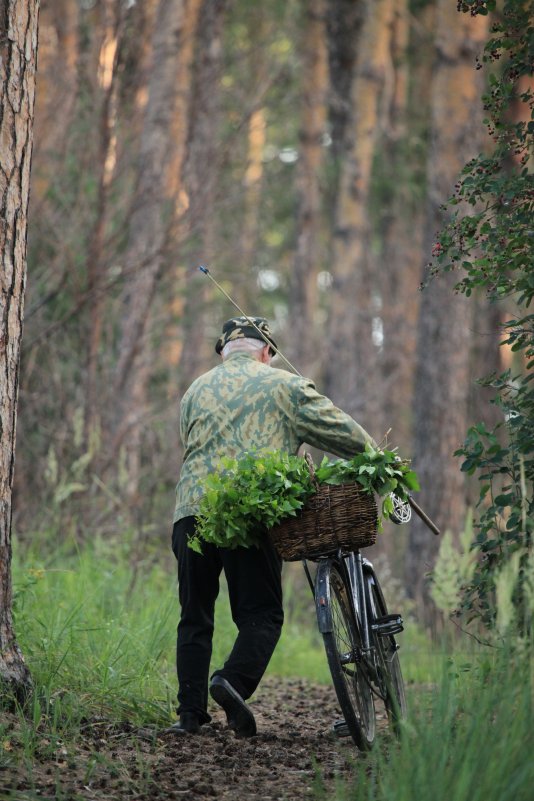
column 18, row 56
column 344, row 21
column 200, row 176
column 309, row 256
column 402, row 219
column 396, row 266
column 58, row 85
column 109, row 52
column 162, row 149
column 443, row 349
column 351, row 352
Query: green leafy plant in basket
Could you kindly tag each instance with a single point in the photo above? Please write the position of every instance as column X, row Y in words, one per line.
column 247, row 496
column 376, row 470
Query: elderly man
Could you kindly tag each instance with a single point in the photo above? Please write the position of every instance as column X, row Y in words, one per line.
column 240, row 405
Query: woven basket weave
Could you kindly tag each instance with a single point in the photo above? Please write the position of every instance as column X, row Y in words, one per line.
column 337, row 516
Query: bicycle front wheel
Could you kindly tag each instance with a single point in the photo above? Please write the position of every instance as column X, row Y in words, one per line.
column 343, row 645
column 390, row 681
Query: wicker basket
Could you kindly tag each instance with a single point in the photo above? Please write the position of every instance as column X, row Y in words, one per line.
column 337, row 516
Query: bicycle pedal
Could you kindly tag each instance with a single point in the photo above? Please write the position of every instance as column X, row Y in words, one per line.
column 341, row 729
column 387, row 625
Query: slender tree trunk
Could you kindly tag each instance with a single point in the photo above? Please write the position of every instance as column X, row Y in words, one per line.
column 443, row 350
column 58, row 86
column 18, row 57
column 309, row 255
column 252, row 186
column 351, row 352
column 402, row 220
column 200, row 177
column 107, row 78
column 157, row 196
column 396, row 268
column 344, row 21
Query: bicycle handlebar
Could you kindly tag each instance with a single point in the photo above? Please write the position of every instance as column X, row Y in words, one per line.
column 424, row 517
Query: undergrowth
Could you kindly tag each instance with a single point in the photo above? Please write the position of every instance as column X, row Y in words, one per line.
column 469, row 740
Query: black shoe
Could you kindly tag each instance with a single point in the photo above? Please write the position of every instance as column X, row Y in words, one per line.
column 340, row 728
column 238, row 715
column 188, row 724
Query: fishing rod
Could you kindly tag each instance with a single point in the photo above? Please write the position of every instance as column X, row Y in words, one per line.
column 203, row 269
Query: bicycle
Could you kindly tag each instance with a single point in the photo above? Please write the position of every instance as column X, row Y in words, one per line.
column 359, row 638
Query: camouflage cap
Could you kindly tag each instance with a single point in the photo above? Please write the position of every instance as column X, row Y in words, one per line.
column 240, row 327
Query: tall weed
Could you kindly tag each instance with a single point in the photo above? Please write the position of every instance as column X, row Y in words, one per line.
column 99, row 635
column 471, row 740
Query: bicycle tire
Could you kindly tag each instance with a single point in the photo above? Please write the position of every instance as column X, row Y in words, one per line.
column 390, row 683
column 343, row 652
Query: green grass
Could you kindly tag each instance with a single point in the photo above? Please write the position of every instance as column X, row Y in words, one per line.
column 99, row 638
column 469, row 740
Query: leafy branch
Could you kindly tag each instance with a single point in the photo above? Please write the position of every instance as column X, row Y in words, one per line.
column 490, row 239
column 247, row 496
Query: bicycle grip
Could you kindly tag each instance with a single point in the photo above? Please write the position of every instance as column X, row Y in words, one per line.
column 424, row 517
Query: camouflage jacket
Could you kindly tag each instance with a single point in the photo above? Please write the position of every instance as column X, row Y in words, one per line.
column 242, row 405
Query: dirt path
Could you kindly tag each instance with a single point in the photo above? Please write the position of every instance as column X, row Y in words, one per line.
column 293, row 754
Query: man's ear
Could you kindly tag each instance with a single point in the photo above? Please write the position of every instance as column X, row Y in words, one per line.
column 266, row 355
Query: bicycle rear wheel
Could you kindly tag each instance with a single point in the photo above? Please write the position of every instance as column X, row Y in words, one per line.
column 344, row 654
column 389, row 675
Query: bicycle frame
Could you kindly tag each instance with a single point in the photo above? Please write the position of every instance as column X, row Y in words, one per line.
column 352, row 566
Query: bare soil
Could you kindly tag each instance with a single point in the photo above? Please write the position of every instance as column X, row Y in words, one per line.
column 294, row 756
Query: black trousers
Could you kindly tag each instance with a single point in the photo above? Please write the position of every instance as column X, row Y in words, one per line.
column 255, row 590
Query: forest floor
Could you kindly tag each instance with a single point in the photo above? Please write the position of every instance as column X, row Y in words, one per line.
column 294, row 756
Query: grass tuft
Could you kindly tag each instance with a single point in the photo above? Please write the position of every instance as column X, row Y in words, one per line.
column 470, row 740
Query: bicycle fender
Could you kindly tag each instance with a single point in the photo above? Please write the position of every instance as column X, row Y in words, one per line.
column 322, row 601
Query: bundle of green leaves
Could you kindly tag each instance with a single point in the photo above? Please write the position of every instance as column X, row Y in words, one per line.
column 247, row 496
column 375, row 470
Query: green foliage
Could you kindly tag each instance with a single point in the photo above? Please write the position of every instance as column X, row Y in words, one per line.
column 99, row 638
column 249, row 495
column 490, row 239
column 470, row 740
column 379, row 471
column 453, row 569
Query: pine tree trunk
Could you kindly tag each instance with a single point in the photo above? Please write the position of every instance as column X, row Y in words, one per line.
column 200, row 176
column 18, row 55
column 58, row 85
column 443, row 352
column 112, row 27
column 308, row 256
column 162, row 150
column 402, row 220
column 351, row 354
column 344, row 21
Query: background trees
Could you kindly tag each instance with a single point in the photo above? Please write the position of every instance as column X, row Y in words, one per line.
column 302, row 151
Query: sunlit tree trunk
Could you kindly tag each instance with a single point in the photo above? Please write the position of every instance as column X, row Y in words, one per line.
column 58, row 86
column 309, row 256
column 107, row 80
column 443, row 351
column 258, row 66
column 351, row 352
column 252, row 187
column 161, row 155
column 18, row 55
